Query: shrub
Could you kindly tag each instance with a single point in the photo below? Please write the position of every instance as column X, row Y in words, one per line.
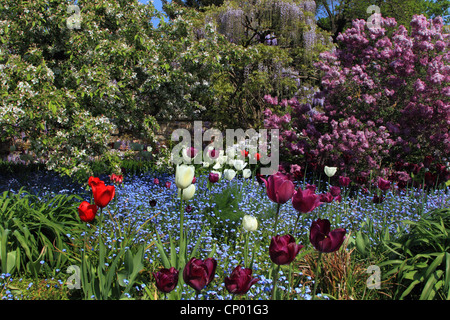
column 384, row 99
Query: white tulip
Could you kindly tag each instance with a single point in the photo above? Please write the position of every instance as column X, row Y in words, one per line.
column 246, row 173
column 184, row 175
column 239, row 164
column 217, row 166
column 187, row 193
column 229, row 174
column 249, row 223
column 330, row 171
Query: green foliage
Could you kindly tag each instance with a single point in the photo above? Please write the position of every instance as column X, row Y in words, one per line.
column 420, row 261
column 225, row 215
column 34, row 230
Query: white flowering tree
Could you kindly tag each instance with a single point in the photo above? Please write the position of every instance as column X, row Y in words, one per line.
column 71, row 75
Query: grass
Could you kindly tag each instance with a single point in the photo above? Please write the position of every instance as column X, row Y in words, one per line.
column 216, row 218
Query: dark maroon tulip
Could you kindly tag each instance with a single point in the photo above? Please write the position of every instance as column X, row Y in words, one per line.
column 166, row 279
column 427, row 161
column 156, row 181
column 199, row 273
column 283, row 249
column 306, row 200
column 213, row 177
column 384, row 184
column 344, row 181
column 323, row 239
column 240, row 280
column 335, row 191
column 279, row 188
column 188, row 209
column 152, row 202
column 326, row 197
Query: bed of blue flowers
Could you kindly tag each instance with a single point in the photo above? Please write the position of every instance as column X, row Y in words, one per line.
column 133, row 247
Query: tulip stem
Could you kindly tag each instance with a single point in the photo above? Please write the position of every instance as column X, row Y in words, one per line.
column 316, row 275
column 182, row 251
column 275, row 280
column 276, row 218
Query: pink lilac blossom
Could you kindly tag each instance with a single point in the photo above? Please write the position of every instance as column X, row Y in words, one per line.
column 376, row 85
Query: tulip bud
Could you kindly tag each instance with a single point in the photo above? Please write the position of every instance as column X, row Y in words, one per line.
column 249, row 223
column 240, row 281
column 166, row 279
column 188, row 193
column 184, row 175
column 330, row 171
column 229, row 174
column 198, row 273
column 239, row 164
column 87, row 211
column 283, row 249
column 246, row 173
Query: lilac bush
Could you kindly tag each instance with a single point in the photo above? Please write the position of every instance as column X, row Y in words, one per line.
column 385, row 98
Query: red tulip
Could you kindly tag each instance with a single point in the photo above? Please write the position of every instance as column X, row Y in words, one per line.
column 384, row 184
column 323, row 239
column 306, row 200
column 283, row 249
column 87, row 211
column 116, row 178
column 166, row 279
column 156, row 181
column 279, row 188
column 244, row 153
column 92, row 182
column 103, row 194
column 240, row 280
column 168, row 184
column 257, row 156
column 194, row 180
column 198, row 273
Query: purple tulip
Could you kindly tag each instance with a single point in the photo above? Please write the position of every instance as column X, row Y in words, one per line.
column 283, row 249
column 198, row 273
column 344, row 181
column 306, row 200
column 279, row 188
column 166, row 279
column 384, row 184
column 213, row 177
column 240, row 280
column 323, row 239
